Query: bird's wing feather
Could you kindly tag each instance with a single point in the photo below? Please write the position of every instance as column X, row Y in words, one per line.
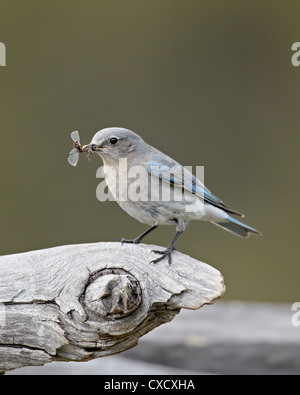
column 179, row 176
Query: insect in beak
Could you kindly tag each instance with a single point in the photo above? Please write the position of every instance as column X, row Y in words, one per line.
column 88, row 148
column 74, row 153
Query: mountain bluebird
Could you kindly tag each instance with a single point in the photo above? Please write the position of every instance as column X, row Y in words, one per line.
column 125, row 154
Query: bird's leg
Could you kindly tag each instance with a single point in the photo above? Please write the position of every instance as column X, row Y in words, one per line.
column 168, row 251
column 138, row 239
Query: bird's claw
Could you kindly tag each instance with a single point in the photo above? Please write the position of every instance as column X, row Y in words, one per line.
column 130, row 241
column 167, row 253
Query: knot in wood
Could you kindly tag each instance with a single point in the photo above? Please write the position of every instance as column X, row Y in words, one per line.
column 112, row 294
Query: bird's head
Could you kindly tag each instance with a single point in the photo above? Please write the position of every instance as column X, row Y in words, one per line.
column 114, row 143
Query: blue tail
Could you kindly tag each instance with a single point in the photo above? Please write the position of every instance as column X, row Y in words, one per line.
column 237, row 227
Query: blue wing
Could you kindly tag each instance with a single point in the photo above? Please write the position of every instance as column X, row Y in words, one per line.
column 177, row 175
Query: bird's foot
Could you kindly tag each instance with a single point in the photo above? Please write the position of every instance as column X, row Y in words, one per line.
column 137, row 240
column 167, row 253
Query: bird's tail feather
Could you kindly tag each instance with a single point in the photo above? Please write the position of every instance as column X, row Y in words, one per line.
column 237, row 227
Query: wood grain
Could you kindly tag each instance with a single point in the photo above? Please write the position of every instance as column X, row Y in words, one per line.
column 84, row 301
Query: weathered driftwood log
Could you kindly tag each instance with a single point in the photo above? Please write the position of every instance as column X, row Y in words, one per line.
column 85, row 301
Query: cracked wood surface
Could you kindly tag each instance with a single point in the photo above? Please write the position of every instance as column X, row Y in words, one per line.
column 84, row 301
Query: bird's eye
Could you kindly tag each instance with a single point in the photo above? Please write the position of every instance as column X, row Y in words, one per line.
column 114, row 140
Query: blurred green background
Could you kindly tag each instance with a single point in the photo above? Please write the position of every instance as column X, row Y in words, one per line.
column 207, row 82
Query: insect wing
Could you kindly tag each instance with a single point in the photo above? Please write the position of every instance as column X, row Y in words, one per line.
column 73, row 157
column 75, row 137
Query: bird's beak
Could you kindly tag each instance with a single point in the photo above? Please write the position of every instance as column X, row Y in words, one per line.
column 86, row 147
column 90, row 148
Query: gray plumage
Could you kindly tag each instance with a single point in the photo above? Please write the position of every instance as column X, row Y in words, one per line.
column 155, row 189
